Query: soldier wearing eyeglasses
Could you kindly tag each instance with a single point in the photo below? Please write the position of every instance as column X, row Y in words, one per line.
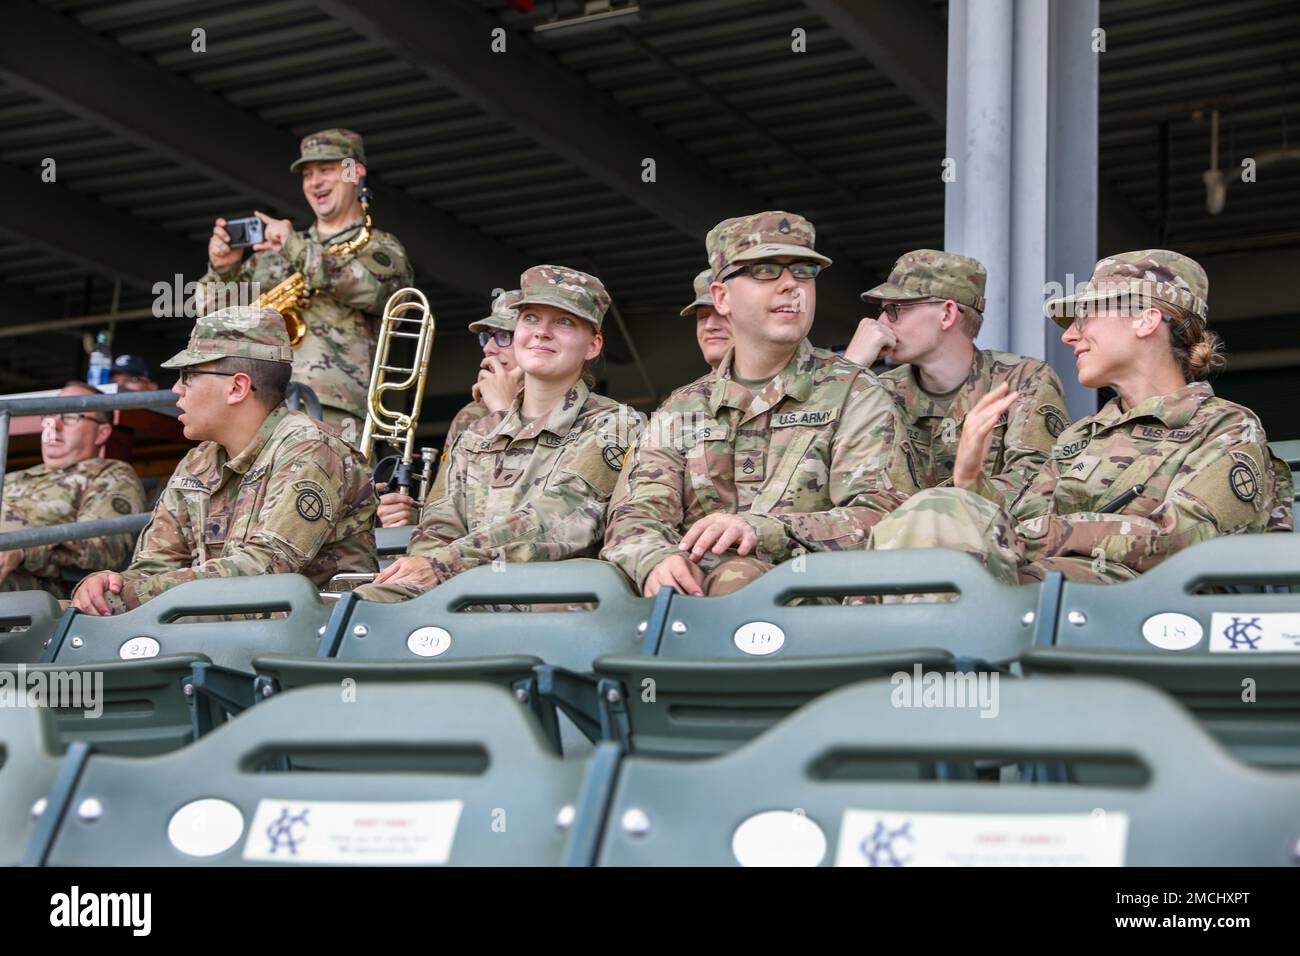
column 784, row 449
column 74, row 482
column 494, row 391
column 267, row 491
column 1163, row 465
column 931, row 308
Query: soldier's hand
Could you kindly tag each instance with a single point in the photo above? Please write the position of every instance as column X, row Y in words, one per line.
column 977, row 434
column 395, row 510
column 678, row 573
column 220, row 256
column 720, row 532
column 274, row 232
column 871, row 342
column 89, row 596
column 8, row 561
column 409, row 569
column 497, row 387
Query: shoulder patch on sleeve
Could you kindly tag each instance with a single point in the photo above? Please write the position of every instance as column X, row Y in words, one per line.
column 381, row 260
column 121, row 505
column 1231, row 489
column 311, row 501
column 1054, row 419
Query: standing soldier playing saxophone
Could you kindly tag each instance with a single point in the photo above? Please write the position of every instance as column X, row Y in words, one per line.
column 350, row 276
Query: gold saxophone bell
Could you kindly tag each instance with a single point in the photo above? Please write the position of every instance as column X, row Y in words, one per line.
column 290, row 299
column 292, row 296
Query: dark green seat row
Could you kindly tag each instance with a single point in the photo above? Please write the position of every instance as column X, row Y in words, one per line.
column 693, row 676
column 492, row 791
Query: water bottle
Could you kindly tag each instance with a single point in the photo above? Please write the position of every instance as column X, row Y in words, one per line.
column 101, row 362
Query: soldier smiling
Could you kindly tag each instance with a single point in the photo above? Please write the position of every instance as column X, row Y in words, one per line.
column 1162, row 466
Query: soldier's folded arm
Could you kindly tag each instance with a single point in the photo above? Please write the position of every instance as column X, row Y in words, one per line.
column 1028, row 438
column 300, row 509
column 868, row 477
column 1207, row 499
column 645, row 527
column 113, row 493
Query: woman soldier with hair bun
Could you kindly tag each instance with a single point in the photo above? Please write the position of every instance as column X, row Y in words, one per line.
column 1161, row 466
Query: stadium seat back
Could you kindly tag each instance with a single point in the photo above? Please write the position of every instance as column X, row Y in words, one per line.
column 29, row 762
column 1216, row 625
column 154, row 628
column 787, row 798
column 490, row 792
column 27, row 620
column 726, row 668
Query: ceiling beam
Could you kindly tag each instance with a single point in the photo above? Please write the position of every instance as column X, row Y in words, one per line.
column 95, row 234
column 102, row 82
column 534, row 93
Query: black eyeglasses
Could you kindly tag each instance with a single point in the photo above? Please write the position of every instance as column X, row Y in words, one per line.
column 771, row 271
column 891, row 309
column 502, row 337
column 71, row 418
column 189, row 373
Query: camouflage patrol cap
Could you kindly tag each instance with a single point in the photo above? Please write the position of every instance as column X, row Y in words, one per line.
column 1142, row 279
column 576, row 292
column 242, row 331
column 763, row 235
column 932, row 274
column 702, row 294
column 330, row 144
column 503, row 314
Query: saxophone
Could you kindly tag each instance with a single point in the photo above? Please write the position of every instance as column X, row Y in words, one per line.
column 292, row 296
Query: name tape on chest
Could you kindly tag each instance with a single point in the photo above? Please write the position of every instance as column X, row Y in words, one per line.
column 1153, row 433
column 187, row 483
column 809, row 418
column 1070, row 449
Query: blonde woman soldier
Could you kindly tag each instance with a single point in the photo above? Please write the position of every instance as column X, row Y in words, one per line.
column 531, row 485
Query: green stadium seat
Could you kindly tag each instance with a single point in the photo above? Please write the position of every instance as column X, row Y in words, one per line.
column 1233, row 659
column 167, row 681
column 490, row 792
column 29, row 763
column 434, row 637
column 27, row 620
column 726, row 668
column 792, row 796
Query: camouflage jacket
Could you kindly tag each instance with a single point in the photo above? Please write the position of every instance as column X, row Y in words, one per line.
column 298, row 500
column 1022, row 438
column 812, row 460
column 528, row 492
column 1206, row 470
column 336, row 355
column 89, row 490
column 466, row 418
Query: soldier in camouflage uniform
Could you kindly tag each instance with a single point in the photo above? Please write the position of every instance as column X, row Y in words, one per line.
column 268, row 491
column 498, row 382
column 336, row 355
column 785, row 448
column 932, row 309
column 712, row 331
column 530, row 484
column 1162, row 466
column 74, row 482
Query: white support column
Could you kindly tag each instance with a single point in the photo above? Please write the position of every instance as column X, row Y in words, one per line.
column 1022, row 127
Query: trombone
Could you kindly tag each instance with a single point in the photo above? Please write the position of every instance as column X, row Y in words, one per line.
column 406, row 316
